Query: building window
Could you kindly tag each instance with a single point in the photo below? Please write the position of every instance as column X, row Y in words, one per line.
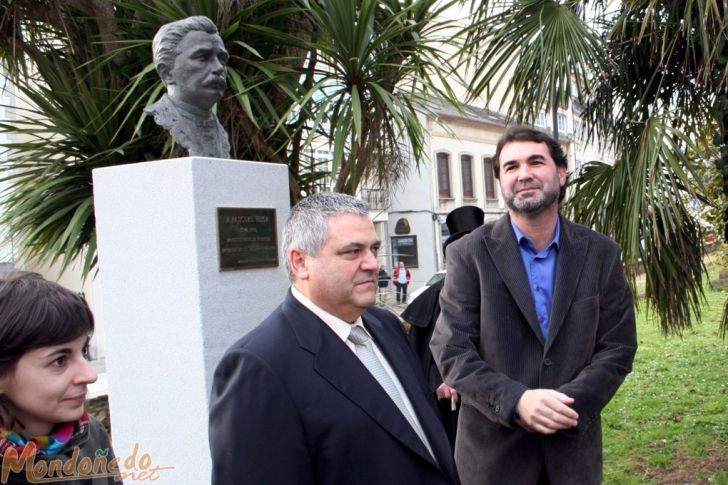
column 404, row 248
column 443, row 175
column 375, row 198
column 561, row 118
column 489, row 178
column 541, row 119
column 466, row 167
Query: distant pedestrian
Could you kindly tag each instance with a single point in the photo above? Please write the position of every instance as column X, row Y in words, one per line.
column 402, row 279
column 383, row 284
column 383, row 277
column 422, row 315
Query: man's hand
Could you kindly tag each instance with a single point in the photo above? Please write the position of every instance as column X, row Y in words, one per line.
column 545, row 411
column 444, row 391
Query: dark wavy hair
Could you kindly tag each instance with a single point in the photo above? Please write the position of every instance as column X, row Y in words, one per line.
column 34, row 313
column 525, row 133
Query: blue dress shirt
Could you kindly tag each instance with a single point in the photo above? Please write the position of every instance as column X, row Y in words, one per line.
column 541, row 272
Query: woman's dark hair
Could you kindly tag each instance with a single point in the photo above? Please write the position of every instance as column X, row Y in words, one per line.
column 34, row 313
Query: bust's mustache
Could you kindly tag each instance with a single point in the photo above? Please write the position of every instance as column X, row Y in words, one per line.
column 215, row 81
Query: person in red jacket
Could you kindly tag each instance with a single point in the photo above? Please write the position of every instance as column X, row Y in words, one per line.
column 401, row 278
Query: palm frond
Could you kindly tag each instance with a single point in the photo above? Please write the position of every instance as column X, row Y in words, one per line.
column 540, row 52
column 643, row 202
column 375, row 61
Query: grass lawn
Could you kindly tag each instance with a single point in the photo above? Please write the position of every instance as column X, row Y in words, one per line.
column 668, row 423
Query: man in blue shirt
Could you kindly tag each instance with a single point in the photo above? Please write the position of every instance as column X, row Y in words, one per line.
column 536, row 331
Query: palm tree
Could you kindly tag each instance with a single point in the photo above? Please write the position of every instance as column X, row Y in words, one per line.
column 652, row 77
column 346, row 74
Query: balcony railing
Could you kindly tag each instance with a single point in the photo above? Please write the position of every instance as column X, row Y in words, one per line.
column 375, row 198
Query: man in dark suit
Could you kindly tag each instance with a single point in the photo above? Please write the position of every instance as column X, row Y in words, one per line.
column 422, row 315
column 536, row 330
column 326, row 390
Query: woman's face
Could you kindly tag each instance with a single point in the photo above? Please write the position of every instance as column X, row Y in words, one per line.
column 49, row 385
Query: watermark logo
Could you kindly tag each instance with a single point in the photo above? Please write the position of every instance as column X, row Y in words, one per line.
column 137, row 466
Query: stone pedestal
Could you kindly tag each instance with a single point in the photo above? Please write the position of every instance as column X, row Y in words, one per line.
column 169, row 311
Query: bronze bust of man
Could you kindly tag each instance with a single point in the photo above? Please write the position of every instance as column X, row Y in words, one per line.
column 191, row 60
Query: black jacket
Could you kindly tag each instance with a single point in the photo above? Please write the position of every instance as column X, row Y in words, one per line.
column 292, row 404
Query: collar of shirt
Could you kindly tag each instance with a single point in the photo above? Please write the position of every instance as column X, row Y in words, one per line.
column 525, row 243
column 340, row 327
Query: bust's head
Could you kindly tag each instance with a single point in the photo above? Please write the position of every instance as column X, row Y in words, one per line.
column 191, row 60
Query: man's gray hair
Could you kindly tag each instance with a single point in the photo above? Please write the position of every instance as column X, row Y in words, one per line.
column 168, row 37
column 307, row 228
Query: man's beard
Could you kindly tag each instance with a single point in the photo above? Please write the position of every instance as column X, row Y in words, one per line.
column 533, row 205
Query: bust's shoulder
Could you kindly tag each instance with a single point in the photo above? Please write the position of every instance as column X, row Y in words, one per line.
column 200, row 135
column 169, row 116
column 165, row 113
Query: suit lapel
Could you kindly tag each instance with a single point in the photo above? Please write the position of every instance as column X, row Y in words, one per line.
column 394, row 351
column 572, row 256
column 338, row 365
column 506, row 256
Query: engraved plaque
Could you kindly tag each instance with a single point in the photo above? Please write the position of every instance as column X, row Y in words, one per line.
column 247, row 238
